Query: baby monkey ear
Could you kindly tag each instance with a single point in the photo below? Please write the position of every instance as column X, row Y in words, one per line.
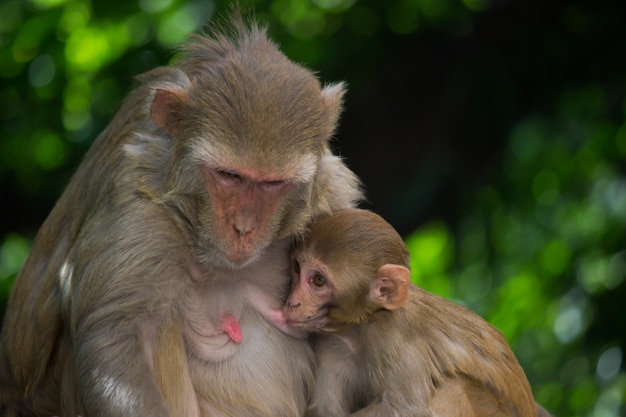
column 390, row 288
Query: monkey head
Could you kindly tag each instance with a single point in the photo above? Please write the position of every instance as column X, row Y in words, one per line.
column 248, row 131
column 349, row 265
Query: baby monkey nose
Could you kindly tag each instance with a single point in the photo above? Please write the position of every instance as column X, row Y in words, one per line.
column 291, row 306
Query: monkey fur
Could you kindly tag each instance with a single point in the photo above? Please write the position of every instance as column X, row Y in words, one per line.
column 387, row 347
column 179, row 217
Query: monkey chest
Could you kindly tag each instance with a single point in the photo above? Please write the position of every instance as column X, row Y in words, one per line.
column 266, row 373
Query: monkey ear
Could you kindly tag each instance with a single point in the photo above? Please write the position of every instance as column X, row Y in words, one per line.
column 390, row 288
column 166, row 105
column 333, row 101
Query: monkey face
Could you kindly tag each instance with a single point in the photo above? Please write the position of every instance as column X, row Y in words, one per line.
column 311, row 295
column 244, row 210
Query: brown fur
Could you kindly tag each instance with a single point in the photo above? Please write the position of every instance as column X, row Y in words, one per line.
column 384, row 351
column 114, row 312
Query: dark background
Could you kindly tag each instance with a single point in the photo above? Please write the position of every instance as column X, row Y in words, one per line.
column 490, row 133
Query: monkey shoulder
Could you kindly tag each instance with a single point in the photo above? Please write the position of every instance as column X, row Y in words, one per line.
column 443, row 313
column 449, row 329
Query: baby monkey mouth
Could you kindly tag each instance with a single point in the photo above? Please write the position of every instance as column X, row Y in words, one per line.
column 315, row 322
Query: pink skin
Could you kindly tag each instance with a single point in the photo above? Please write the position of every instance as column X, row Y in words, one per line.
column 274, row 315
column 279, row 319
column 231, row 328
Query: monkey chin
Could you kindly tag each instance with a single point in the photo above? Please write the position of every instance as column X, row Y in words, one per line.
column 229, row 259
column 235, row 261
column 313, row 324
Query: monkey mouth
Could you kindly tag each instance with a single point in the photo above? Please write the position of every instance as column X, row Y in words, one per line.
column 313, row 323
column 238, row 259
column 301, row 324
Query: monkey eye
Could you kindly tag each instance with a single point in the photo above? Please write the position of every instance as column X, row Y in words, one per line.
column 273, row 185
column 318, row 280
column 228, row 175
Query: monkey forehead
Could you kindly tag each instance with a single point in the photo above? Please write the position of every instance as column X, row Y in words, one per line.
column 264, row 128
column 252, row 109
column 257, row 98
column 268, row 121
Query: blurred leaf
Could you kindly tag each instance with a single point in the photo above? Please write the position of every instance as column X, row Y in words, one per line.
column 431, row 253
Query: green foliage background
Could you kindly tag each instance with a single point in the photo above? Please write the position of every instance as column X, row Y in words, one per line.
column 491, row 133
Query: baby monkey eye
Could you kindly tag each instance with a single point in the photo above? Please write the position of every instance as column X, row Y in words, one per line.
column 319, row 280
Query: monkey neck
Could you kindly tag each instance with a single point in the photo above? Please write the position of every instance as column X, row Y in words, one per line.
column 350, row 335
column 352, row 329
column 272, row 258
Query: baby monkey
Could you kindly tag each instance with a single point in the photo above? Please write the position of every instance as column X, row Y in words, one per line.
column 387, row 347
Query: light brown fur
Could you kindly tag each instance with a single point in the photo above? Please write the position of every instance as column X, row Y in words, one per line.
column 387, row 347
column 117, row 307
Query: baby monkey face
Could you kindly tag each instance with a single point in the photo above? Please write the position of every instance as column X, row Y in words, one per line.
column 311, row 293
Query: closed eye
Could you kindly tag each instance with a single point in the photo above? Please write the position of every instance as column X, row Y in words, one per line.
column 228, row 177
column 227, row 174
column 274, row 185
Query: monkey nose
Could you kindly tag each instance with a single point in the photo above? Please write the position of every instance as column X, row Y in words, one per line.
column 292, row 306
column 242, row 230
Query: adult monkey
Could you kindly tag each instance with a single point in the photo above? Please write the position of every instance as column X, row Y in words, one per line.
column 154, row 287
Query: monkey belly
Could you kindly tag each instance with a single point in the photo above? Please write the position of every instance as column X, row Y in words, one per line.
column 270, row 374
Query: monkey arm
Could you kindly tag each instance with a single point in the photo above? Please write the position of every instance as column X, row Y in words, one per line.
column 335, row 374
column 462, row 397
column 386, row 408
column 113, row 361
column 123, row 293
column 110, row 384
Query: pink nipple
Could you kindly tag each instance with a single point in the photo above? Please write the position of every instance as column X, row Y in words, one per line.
column 231, row 328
